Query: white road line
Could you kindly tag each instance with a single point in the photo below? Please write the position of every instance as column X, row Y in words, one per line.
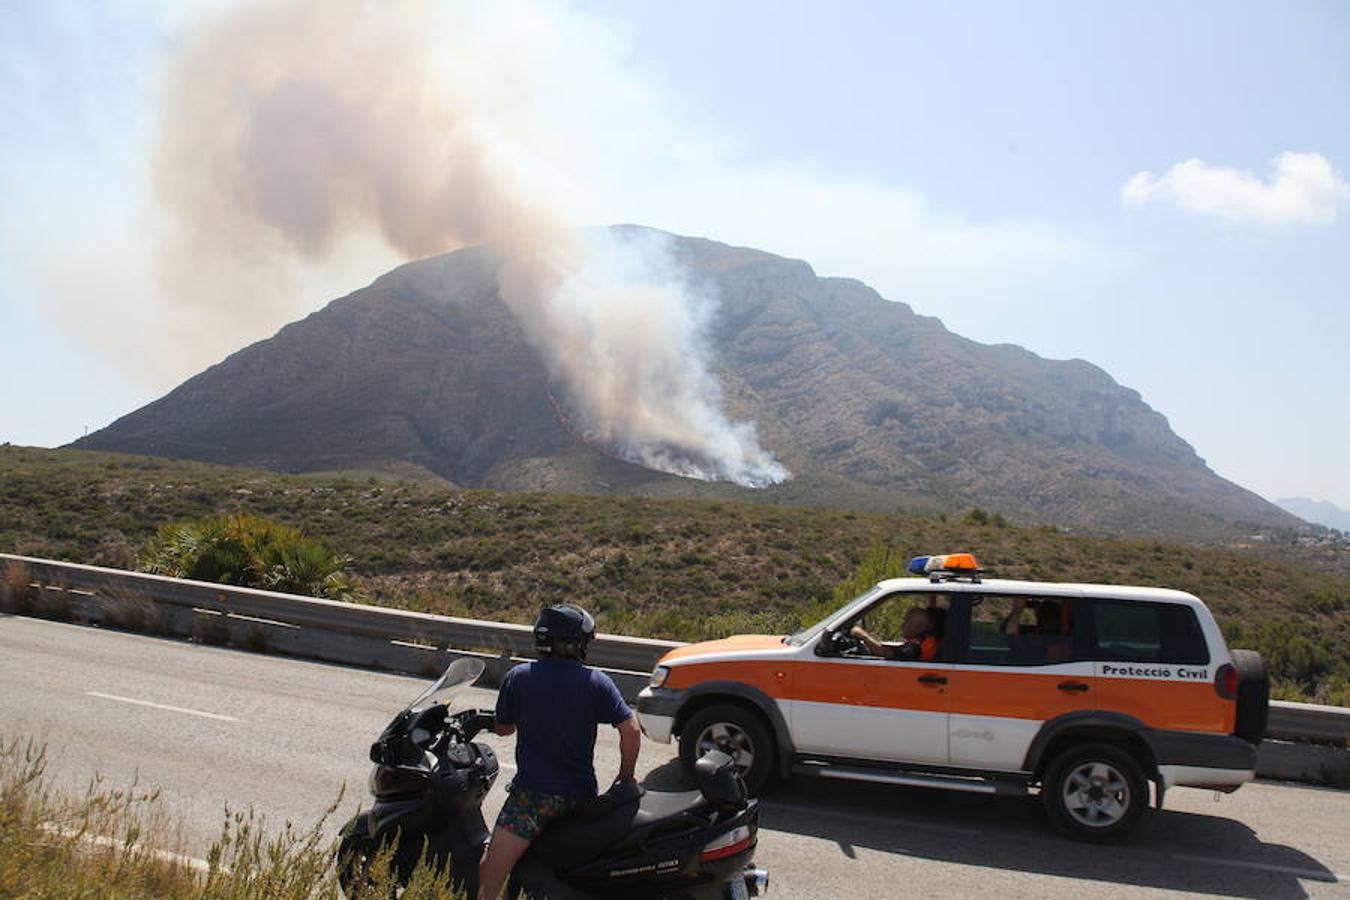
column 178, row 709
column 1310, row 874
column 99, row 840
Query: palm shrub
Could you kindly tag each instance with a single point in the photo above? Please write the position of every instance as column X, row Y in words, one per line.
column 248, row 551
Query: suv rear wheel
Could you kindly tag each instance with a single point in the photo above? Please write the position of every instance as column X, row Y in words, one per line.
column 1095, row 792
column 737, row 732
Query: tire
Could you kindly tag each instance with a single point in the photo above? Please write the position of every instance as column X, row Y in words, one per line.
column 357, row 852
column 737, row 731
column 1253, row 697
column 354, row 855
column 1095, row 792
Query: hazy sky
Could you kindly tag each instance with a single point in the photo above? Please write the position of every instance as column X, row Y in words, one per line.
column 1158, row 188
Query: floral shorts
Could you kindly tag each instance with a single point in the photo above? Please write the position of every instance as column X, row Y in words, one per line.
column 527, row 811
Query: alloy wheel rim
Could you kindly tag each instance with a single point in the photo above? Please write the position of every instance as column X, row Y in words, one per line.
column 1096, row 794
column 731, row 740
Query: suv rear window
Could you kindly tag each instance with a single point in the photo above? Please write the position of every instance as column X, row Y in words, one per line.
column 1147, row 632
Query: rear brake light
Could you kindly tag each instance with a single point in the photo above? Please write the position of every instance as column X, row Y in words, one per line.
column 734, row 841
column 1226, row 682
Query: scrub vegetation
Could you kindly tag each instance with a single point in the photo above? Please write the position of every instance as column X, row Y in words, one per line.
column 679, row 569
column 248, row 551
column 119, row 844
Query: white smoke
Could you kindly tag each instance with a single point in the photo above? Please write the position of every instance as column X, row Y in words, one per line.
column 292, row 128
column 626, row 330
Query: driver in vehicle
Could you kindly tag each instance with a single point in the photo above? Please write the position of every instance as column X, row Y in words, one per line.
column 555, row 703
column 920, row 643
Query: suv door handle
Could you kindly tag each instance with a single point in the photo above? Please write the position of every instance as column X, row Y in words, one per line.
column 1072, row 687
column 932, row 679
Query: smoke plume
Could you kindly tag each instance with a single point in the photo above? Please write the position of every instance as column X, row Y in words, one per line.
column 291, row 129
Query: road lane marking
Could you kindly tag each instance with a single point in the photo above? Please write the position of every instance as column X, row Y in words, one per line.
column 1310, row 874
column 178, row 709
column 99, row 840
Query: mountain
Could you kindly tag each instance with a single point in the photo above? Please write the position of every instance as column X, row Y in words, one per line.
column 868, row 404
column 1321, row 512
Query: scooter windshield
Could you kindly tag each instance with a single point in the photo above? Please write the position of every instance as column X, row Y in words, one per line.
column 458, row 675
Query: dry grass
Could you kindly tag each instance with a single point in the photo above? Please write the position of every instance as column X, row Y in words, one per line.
column 119, row 844
column 134, row 612
column 14, row 587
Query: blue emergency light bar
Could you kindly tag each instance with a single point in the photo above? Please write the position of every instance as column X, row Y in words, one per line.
column 949, row 562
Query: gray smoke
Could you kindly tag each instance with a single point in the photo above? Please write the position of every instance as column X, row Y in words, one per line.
column 290, row 128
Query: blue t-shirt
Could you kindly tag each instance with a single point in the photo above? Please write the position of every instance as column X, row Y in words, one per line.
column 556, row 705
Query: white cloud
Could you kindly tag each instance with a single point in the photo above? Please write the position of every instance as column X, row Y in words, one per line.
column 1303, row 189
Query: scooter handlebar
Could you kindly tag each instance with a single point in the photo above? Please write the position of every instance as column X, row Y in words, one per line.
column 476, row 721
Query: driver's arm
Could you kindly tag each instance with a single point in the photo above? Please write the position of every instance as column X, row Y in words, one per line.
column 874, row 647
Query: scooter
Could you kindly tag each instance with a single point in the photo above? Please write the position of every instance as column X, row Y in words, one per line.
column 429, row 781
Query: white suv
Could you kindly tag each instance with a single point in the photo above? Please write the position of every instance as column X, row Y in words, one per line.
column 1086, row 692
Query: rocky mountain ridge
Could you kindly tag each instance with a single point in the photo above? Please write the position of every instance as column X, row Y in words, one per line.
column 868, row 403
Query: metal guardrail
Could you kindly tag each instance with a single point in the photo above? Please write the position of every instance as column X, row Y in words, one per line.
column 400, row 640
column 1309, row 722
column 334, row 631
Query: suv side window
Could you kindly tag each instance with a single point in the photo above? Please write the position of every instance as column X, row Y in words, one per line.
column 1128, row 631
column 884, row 620
column 1019, row 631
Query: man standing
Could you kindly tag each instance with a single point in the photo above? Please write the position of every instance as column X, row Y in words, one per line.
column 555, row 703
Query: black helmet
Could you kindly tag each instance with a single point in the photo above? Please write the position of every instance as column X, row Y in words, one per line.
column 563, row 631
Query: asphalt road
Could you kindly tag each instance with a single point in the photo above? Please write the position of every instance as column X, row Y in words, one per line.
column 216, row 728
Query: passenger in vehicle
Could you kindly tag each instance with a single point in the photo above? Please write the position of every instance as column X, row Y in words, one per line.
column 920, row 643
column 1047, row 641
column 1048, row 618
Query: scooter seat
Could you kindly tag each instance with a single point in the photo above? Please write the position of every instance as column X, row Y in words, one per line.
column 657, row 805
column 580, row 837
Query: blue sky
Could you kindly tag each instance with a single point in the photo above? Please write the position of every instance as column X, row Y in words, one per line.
column 967, row 158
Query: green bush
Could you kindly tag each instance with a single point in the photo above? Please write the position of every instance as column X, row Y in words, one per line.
column 248, row 551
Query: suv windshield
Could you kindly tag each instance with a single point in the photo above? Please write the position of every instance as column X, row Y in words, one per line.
column 798, row 638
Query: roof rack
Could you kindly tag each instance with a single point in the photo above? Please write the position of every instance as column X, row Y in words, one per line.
column 970, row 576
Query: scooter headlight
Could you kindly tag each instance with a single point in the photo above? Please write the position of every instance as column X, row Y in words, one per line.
column 659, row 676
column 389, row 782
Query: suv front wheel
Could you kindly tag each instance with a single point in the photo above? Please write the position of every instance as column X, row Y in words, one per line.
column 735, row 731
column 1095, row 792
